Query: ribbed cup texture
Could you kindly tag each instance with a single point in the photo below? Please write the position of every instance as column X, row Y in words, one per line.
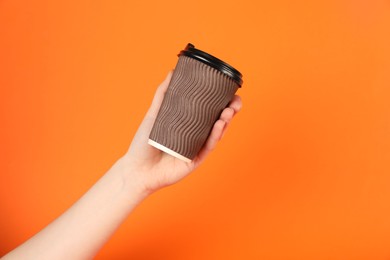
column 195, row 98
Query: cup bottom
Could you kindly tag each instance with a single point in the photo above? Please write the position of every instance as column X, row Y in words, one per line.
column 168, row 151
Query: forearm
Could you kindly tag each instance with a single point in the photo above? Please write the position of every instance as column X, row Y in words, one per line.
column 83, row 229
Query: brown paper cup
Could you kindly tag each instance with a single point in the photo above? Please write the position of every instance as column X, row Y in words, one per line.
column 200, row 88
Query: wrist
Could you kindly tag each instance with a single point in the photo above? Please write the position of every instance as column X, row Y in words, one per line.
column 131, row 178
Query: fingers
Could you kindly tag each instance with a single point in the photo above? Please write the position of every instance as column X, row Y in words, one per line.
column 215, row 136
column 236, row 104
column 159, row 95
column 219, row 128
column 227, row 114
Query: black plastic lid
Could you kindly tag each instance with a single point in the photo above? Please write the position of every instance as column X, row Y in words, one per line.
column 212, row 61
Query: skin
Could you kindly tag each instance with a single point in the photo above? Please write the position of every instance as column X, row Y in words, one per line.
column 86, row 226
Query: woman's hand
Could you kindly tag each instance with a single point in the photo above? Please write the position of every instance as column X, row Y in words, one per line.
column 156, row 169
column 84, row 228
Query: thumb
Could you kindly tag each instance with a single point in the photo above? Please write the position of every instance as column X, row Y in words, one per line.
column 144, row 129
column 159, row 96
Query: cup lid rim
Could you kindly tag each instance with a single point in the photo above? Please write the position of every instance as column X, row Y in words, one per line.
column 212, row 61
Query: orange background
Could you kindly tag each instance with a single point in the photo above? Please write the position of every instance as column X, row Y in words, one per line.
column 302, row 173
